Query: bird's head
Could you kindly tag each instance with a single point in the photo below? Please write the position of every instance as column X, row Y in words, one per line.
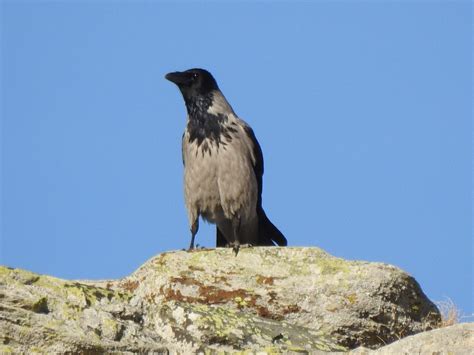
column 193, row 83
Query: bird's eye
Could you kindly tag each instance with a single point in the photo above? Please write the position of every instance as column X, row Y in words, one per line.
column 195, row 75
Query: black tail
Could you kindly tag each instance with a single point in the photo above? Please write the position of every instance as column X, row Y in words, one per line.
column 268, row 234
column 221, row 242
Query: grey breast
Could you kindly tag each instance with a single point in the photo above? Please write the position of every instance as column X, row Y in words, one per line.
column 219, row 183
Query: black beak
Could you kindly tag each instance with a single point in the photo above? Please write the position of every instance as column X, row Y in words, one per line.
column 177, row 77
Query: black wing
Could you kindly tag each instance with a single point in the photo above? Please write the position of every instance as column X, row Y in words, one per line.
column 268, row 233
column 258, row 164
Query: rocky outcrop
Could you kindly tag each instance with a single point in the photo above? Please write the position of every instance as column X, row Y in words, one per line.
column 274, row 299
column 457, row 339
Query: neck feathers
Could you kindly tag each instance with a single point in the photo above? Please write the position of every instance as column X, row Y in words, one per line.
column 208, row 118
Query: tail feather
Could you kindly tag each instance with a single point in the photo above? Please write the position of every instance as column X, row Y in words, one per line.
column 268, row 233
column 221, row 242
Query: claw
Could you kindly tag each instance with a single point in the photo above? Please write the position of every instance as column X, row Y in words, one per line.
column 236, row 249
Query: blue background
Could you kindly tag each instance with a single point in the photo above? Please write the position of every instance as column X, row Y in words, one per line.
column 363, row 111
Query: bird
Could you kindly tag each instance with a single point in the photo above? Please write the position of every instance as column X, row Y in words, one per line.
column 223, row 167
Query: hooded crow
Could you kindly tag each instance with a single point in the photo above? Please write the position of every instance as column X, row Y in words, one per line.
column 223, row 167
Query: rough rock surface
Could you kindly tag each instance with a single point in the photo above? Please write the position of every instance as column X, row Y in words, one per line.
column 265, row 299
column 457, row 339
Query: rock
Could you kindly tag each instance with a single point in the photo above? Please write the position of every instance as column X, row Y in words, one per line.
column 265, row 299
column 457, row 339
column 49, row 315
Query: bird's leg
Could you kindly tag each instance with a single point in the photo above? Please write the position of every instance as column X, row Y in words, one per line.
column 194, row 229
column 235, row 230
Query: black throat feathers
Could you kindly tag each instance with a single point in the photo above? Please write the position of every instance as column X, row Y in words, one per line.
column 207, row 128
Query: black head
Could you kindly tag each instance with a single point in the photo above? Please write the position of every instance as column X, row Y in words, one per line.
column 193, row 82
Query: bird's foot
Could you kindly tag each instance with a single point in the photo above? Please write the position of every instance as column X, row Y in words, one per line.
column 236, row 247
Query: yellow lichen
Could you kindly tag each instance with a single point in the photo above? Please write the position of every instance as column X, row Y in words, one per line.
column 5, row 349
column 352, row 298
column 110, row 328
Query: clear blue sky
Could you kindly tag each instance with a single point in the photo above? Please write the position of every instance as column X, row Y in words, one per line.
column 363, row 111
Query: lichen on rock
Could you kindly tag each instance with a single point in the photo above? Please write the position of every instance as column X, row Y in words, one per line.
column 265, row 299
